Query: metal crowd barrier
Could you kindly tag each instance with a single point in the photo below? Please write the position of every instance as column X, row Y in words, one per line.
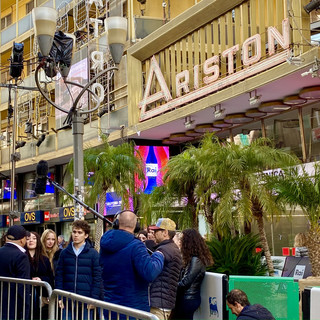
column 75, row 307
column 22, row 298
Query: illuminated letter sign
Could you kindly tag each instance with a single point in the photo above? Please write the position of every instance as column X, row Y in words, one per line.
column 33, row 217
column 66, row 213
column 251, row 66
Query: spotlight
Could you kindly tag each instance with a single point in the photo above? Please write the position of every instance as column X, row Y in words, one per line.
column 218, row 111
column 313, row 71
column 40, row 140
column 28, row 127
column 20, row 144
column 16, row 60
column 313, row 5
column 105, row 110
column 295, row 61
column 188, row 122
column 102, row 112
column 254, row 99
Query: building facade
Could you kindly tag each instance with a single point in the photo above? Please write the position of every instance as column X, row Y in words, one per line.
column 241, row 69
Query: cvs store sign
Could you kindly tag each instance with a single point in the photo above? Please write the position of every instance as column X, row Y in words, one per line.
column 32, row 217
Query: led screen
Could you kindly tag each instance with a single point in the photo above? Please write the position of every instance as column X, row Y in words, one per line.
column 154, row 159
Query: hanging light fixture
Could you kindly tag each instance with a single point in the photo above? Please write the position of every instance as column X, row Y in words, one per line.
column 294, row 100
column 310, row 93
column 273, row 107
column 221, row 124
column 193, row 133
column 206, row 127
column 180, row 137
column 237, row 118
column 255, row 113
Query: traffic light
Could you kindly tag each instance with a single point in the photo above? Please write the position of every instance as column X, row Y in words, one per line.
column 16, row 60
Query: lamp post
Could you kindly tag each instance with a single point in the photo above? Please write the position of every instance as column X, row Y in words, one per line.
column 44, row 25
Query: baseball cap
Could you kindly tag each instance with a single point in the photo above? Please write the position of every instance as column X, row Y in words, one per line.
column 164, row 224
column 17, row 232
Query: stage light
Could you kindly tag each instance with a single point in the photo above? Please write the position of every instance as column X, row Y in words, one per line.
column 20, row 144
column 16, row 60
column 313, row 5
column 41, row 139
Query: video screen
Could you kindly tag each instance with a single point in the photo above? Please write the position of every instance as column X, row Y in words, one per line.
column 154, row 159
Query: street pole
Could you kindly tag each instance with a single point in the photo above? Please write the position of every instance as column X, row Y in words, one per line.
column 15, row 156
column 78, row 131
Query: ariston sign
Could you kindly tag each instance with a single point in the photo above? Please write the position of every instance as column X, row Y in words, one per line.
column 252, row 66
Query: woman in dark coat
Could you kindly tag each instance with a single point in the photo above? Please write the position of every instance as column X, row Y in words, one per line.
column 196, row 257
column 40, row 269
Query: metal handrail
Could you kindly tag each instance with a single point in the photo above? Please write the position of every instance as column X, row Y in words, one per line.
column 27, row 296
column 72, row 303
column 105, row 306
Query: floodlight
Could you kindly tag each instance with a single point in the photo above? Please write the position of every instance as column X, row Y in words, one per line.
column 44, row 22
column 16, row 61
column 117, row 36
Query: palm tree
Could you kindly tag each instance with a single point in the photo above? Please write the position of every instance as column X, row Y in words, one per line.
column 235, row 174
column 299, row 188
column 114, row 168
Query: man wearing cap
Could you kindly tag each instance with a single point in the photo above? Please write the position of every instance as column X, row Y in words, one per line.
column 163, row 289
column 14, row 263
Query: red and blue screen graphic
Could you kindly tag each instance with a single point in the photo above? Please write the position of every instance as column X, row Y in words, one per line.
column 154, row 158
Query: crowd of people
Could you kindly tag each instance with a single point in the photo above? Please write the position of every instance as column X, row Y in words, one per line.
column 157, row 270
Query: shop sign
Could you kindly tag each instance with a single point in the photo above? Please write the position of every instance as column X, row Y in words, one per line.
column 211, row 70
column 66, row 213
column 3, row 221
column 33, row 217
column 46, row 216
column 14, row 220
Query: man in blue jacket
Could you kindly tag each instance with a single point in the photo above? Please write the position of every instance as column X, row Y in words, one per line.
column 127, row 266
column 240, row 306
column 78, row 268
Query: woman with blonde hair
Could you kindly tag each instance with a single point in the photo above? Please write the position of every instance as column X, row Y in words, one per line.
column 300, row 243
column 50, row 247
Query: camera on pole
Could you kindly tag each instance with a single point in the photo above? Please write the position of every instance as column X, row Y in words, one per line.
column 16, row 60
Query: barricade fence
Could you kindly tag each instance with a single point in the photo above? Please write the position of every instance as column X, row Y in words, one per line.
column 23, row 299
column 33, row 300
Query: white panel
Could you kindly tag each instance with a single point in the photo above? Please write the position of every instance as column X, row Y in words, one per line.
column 212, row 297
column 314, row 304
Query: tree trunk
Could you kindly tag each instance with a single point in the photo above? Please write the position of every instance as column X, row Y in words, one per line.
column 209, row 217
column 99, row 225
column 193, row 209
column 313, row 244
column 264, row 243
column 257, row 212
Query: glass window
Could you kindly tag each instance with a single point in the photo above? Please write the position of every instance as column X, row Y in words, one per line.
column 29, row 6
column 284, row 130
column 6, row 21
column 311, row 122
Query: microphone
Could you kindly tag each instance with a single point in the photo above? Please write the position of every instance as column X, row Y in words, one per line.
column 42, row 176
